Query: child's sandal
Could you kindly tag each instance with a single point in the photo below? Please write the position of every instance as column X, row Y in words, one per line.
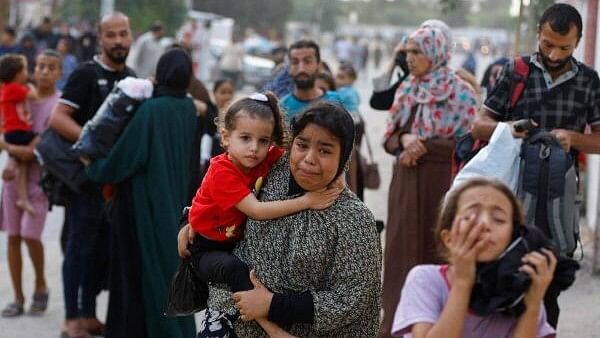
column 12, row 310
column 39, row 303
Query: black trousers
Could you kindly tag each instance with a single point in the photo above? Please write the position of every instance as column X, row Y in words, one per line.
column 220, row 266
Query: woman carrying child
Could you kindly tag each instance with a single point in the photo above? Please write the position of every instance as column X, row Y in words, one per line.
column 249, row 129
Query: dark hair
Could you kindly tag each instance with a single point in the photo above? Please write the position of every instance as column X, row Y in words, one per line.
column 348, row 69
column 560, row 17
column 156, row 26
column 333, row 118
column 305, row 44
column 52, row 53
column 220, row 82
column 269, row 110
column 10, row 66
column 449, row 206
column 327, row 78
column 10, row 31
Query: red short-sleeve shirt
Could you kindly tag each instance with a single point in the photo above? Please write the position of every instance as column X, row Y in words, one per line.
column 213, row 213
column 12, row 97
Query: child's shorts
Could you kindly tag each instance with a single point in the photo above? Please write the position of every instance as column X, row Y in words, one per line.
column 19, row 137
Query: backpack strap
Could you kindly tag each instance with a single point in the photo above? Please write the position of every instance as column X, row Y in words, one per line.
column 520, row 75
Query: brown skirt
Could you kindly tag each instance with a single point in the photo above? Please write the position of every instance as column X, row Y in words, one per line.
column 414, row 197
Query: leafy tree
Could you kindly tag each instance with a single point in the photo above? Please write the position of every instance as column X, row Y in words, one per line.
column 141, row 12
column 259, row 14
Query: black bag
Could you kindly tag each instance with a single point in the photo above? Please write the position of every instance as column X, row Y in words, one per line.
column 57, row 158
column 56, row 191
column 101, row 132
column 187, row 293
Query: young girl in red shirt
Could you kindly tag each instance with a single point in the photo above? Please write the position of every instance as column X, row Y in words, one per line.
column 253, row 134
column 16, row 120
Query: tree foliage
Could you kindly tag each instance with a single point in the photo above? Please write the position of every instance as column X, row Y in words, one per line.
column 141, row 12
column 261, row 15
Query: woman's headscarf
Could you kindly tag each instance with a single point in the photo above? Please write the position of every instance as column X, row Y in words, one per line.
column 443, row 27
column 173, row 73
column 446, row 104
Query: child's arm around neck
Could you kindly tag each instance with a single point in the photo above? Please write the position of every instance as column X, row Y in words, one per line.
column 261, row 211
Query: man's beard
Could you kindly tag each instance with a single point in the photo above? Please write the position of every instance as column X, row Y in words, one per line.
column 558, row 64
column 118, row 54
column 304, row 81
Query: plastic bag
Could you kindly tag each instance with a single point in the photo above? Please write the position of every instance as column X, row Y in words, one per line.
column 500, row 159
column 187, row 294
column 101, row 132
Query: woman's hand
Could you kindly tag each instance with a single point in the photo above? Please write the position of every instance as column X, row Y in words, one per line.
column 464, row 245
column 540, row 268
column 184, row 237
column 253, row 304
column 414, row 145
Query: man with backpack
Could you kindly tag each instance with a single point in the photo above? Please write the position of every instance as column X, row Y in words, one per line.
column 86, row 252
column 560, row 96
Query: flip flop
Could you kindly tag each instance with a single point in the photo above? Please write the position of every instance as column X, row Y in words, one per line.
column 12, row 310
column 39, row 303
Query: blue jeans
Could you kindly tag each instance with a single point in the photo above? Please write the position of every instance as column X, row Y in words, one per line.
column 84, row 265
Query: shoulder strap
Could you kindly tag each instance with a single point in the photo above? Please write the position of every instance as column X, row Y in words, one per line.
column 521, row 72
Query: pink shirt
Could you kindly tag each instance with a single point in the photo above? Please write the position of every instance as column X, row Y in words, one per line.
column 13, row 219
column 424, row 296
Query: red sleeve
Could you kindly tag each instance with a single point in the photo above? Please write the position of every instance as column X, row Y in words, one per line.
column 228, row 186
column 15, row 92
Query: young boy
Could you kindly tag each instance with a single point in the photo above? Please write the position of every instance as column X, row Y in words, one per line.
column 345, row 77
column 22, row 226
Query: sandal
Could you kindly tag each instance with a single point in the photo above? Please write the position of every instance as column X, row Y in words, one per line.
column 39, row 303
column 12, row 310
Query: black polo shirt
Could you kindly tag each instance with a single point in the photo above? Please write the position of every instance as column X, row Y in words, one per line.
column 569, row 102
column 88, row 86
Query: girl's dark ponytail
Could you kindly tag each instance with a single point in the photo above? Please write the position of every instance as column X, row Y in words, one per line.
column 280, row 129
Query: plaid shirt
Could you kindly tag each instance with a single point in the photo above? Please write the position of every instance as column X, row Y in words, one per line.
column 568, row 102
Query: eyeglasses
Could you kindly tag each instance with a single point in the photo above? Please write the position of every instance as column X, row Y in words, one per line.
column 259, row 97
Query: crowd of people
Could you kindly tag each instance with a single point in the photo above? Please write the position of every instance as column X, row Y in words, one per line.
column 271, row 185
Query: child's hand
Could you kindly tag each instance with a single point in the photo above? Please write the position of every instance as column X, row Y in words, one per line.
column 184, row 237
column 540, row 268
column 339, row 183
column 322, row 199
column 464, row 245
column 32, row 94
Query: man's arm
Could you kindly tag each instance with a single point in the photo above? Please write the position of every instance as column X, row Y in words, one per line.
column 62, row 121
column 484, row 124
column 587, row 143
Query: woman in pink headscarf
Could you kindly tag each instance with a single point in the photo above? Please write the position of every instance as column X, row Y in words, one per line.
column 432, row 107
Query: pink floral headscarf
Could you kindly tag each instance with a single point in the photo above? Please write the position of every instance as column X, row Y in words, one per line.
column 447, row 104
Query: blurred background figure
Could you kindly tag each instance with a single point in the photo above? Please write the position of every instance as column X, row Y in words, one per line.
column 68, row 59
column 232, row 61
column 8, row 41
column 146, row 51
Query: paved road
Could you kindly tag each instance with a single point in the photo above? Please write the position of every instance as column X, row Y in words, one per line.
column 580, row 305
